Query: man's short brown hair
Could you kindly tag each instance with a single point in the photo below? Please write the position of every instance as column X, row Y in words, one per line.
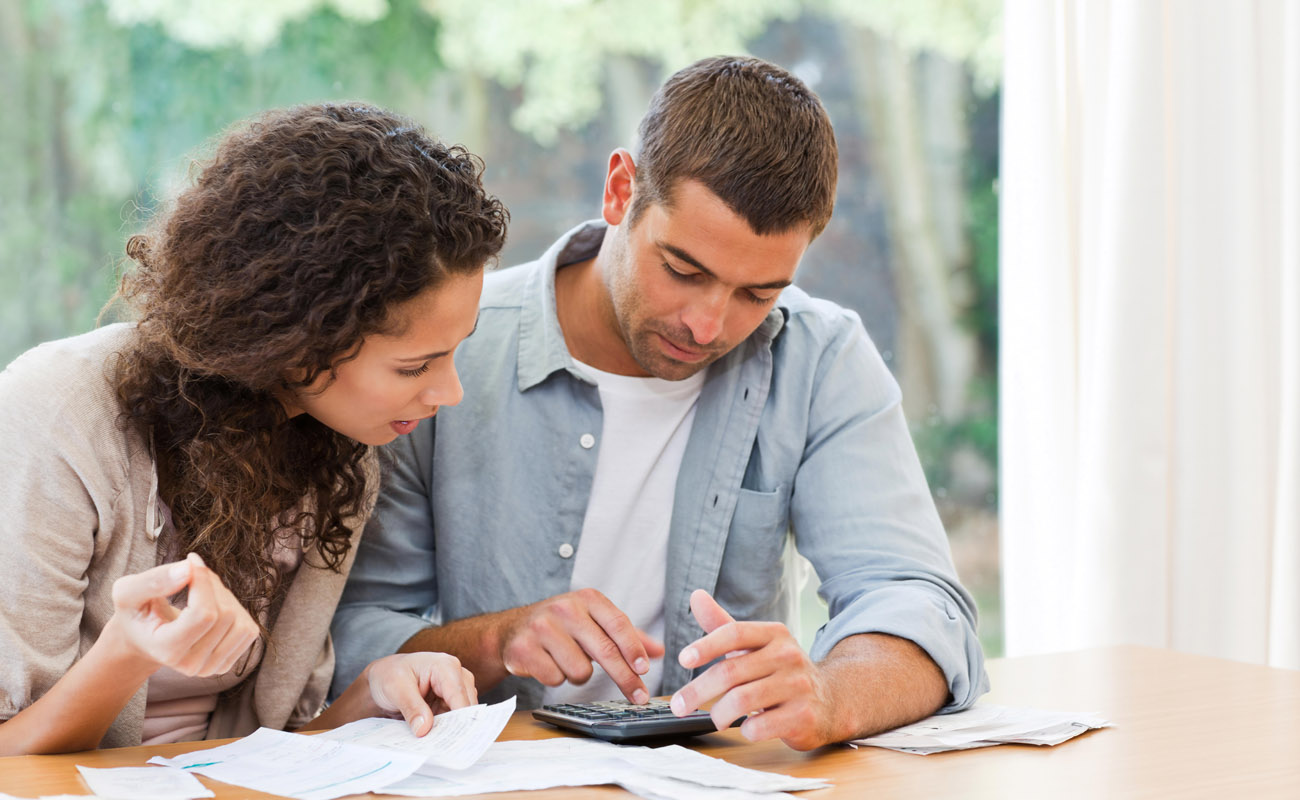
column 751, row 132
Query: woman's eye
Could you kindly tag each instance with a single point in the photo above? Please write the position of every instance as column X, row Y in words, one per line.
column 415, row 373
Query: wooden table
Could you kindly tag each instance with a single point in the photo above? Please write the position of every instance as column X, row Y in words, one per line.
column 1185, row 727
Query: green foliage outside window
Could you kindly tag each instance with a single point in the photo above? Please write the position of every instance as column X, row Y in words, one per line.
column 108, row 100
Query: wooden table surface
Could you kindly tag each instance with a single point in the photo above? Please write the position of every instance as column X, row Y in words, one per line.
column 1185, row 727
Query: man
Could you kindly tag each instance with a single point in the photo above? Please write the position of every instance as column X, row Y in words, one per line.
column 649, row 408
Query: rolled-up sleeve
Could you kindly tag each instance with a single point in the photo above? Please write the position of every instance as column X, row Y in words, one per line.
column 862, row 514
column 392, row 589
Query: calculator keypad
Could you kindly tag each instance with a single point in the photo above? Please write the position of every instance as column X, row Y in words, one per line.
column 614, row 710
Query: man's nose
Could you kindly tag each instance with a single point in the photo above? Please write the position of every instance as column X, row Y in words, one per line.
column 705, row 317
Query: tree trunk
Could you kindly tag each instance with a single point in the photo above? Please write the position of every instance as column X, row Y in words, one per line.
column 937, row 356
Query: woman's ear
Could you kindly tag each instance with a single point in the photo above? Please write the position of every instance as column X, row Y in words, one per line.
column 287, row 391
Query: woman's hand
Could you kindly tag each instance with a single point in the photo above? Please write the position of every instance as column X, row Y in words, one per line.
column 419, row 685
column 207, row 637
column 146, row 632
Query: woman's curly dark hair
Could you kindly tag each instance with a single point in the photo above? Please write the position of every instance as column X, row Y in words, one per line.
column 299, row 236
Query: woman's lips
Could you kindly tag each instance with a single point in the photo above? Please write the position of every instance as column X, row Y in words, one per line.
column 405, row 426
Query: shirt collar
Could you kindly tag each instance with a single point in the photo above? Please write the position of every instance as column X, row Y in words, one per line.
column 542, row 350
column 541, row 342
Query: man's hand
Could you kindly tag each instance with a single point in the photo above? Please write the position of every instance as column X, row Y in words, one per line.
column 766, row 674
column 557, row 639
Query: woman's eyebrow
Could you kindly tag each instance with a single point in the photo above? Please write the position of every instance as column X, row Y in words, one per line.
column 431, row 356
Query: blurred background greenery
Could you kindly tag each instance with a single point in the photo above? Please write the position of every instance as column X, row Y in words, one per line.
column 108, row 102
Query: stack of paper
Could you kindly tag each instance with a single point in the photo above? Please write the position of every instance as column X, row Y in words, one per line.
column 322, row 768
column 984, row 726
column 459, row 757
column 458, row 738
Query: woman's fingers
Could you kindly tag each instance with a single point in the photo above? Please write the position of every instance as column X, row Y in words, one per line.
column 229, row 627
column 207, row 637
column 395, row 685
column 178, row 641
column 440, row 705
column 450, row 682
column 132, row 593
column 406, row 682
column 233, row 647
column 468, row 677
column 239, row 634
column 201, row 598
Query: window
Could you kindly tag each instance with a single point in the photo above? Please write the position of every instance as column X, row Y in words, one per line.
column 107, row 99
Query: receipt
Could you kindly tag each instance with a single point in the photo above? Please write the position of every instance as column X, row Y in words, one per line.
column 143, row 783
column 985, row 726
column 362, row 756
column 302, row 767
column 457, row 739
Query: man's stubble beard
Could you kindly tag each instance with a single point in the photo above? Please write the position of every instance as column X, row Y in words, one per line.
column 625, row 305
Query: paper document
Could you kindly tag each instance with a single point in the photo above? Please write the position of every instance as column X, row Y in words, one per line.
column 985, row 726
column 294, row 765
column 662, row 787
column 359, row 757
column 143, row 783
column 518, row 766
column 457, row 739
column 687, row 765
column 671, row 772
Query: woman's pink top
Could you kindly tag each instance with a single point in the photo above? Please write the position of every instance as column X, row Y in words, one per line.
column 178, row 706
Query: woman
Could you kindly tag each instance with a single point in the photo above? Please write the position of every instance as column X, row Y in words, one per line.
column 182, row 496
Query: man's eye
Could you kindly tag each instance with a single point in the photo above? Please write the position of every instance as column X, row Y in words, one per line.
column 681, row 276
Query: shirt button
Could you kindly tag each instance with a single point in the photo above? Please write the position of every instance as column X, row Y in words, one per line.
column 587, row 441
column 566, row 550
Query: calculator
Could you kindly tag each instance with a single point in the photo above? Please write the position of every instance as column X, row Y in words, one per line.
column 620, row 721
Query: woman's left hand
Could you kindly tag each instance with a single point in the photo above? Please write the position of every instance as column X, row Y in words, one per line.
column 419, row 685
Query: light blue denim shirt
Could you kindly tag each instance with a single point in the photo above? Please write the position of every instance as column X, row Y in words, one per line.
column 798, row 429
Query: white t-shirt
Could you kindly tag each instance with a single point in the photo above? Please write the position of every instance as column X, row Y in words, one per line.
column 623, row 551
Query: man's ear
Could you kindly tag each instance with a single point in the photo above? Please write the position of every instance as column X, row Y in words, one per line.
column 618, row 186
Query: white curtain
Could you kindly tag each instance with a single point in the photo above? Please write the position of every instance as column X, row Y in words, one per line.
column 1150, row 329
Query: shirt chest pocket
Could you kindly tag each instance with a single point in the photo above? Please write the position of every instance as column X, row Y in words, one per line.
column 750, row 577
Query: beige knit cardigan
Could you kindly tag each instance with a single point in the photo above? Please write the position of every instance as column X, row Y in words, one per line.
column 79, row 508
